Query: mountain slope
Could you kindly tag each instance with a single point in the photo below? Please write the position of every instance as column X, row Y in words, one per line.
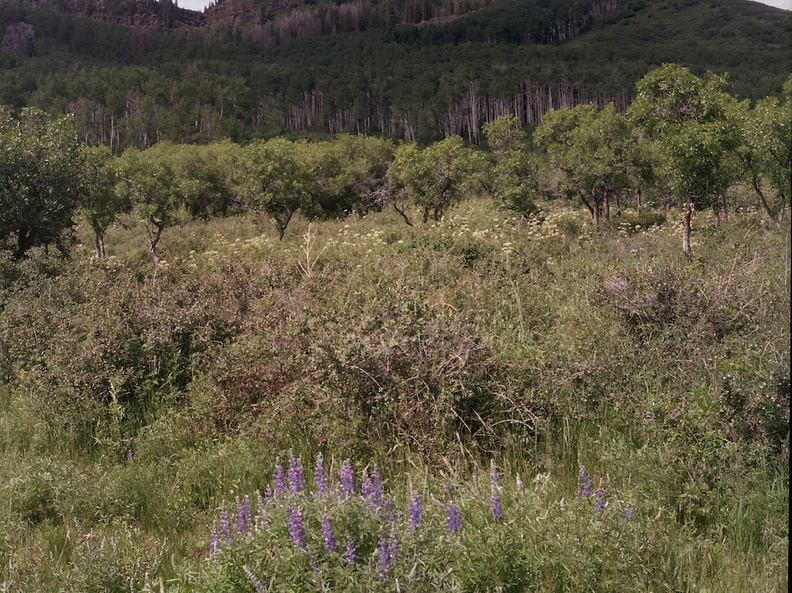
column 133, row 86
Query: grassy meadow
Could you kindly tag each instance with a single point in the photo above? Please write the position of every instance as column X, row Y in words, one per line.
column 479, row 405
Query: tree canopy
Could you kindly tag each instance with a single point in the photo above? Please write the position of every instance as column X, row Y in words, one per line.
column 42, row 179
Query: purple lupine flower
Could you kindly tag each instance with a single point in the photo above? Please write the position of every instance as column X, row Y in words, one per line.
column 296, row 479
column 347, row 477
column 387, row 551
column 279, row 478
column 393, row 544
column 585, row 483
column 320, row 476
column 495, row 502
column 244, row 516
column 448, row 488
column 349, row 552
column 495, row 506
column 256, row 583
column 519, row 483
column 599, row 499
column 224, row 525
column 371, row 488
column 628, row 511
column 130, row 455
column 214, row 541
column 453, row 518
column 327, row 534
column 414, row 511
column 295, row 520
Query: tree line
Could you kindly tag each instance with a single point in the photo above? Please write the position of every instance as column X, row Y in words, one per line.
column 135, row 87
column 683, row 141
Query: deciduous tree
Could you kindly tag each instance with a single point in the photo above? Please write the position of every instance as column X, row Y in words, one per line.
column 42, row 179
column 591, row 146
column 688, row 119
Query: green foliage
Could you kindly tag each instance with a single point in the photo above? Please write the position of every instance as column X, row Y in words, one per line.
column 514, row 174
column 592, row 147
column 766, row 151
column 437, row 177
column 689, row 119
column 41, row 179
column 276, row 180
column 341, row 68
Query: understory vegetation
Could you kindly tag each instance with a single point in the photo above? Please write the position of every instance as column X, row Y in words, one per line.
column 488, row 402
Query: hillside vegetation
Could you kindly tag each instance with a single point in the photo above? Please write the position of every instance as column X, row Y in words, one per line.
column 363, row 71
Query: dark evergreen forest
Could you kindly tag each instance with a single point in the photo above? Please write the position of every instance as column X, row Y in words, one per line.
column 409, row 70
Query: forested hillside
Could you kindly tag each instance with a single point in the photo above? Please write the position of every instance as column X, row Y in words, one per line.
column 424, row 72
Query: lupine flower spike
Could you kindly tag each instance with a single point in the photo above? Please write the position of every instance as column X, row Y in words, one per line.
column 453, row 518
column 371, row 489
column 495, row 503
column 350, row 552
column 599, row 499
column 320, row 477
column 327, row 534
column 295, row 520
column 279, row 478
column 224, row 526
column 347, row 477
column 585, row 483
column 244, row 515
column 414, row 511
column 256, row 583
column 296, row 476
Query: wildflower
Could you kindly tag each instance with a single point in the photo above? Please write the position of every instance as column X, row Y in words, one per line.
column 414, row 511
column 295, row 520
column 243, row 516
column 224, row 525
column 495, row 503
column 387, row 551
column 585, row 483
column 599, row 499
column 279, row 478
column 453, row 518
column 214, row 542
column 349, row 552
column 347, row 476
column 256, row 583
column 296, row 480
column 628, row 511
column 371, row 489
column 320, row 477
column 519, row 483
column 327, row 534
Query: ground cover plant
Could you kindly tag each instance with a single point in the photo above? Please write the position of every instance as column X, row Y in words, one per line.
column 623, row 407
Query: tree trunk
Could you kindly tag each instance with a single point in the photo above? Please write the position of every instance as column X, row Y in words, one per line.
column 99, row 246
column 154, row 235
column 606, row 207
column 402, row 213
column 776, row 218
column 686, row 217
column 25, row 240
